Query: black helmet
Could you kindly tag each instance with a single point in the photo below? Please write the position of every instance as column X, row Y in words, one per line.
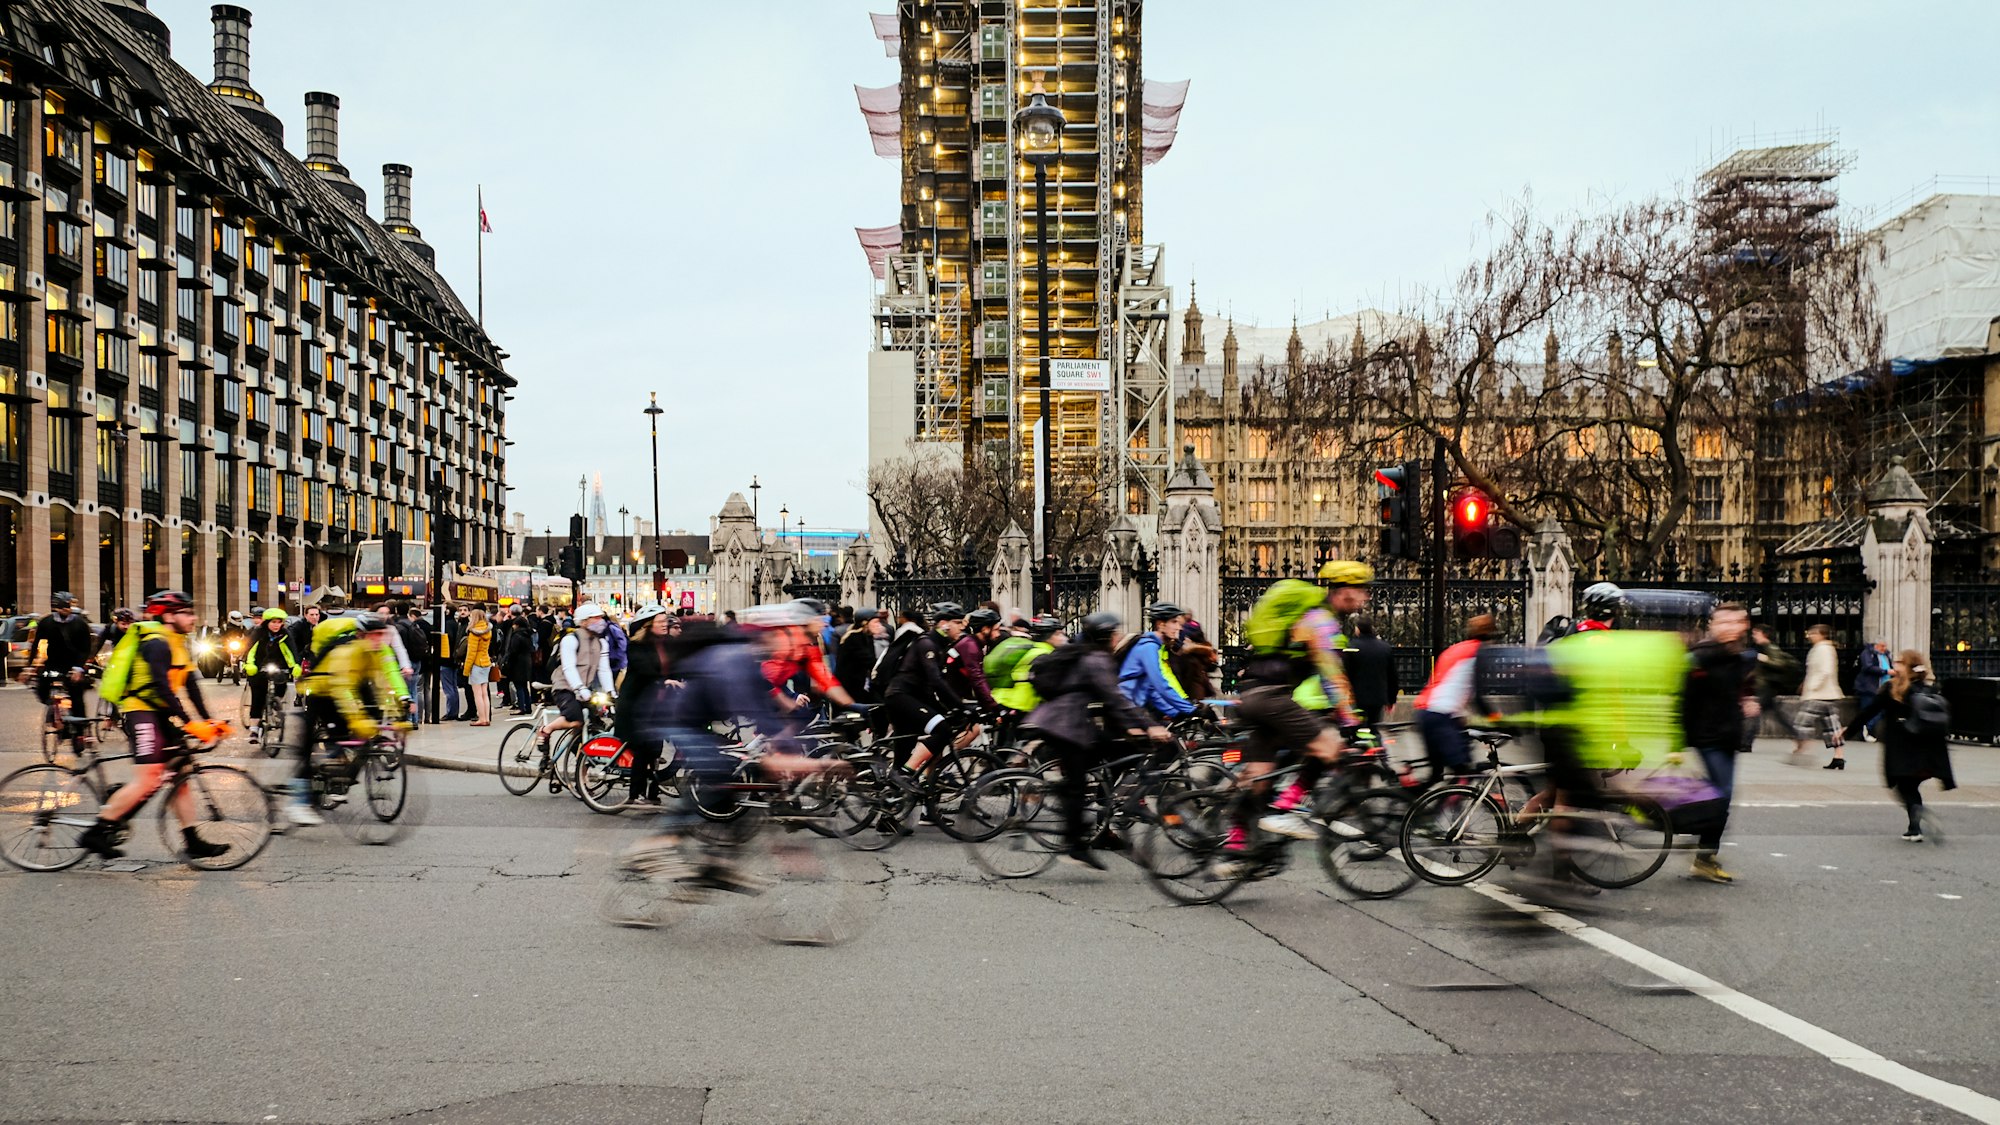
column 63, row 599
column 982, row 618
column 1164, row 611
column 947, row 611
column 1602, row 599
column 1099, row 627
column 124, row 615
column 167, row 601
column 1043, row 627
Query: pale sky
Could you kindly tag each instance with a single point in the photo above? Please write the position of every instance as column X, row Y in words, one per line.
column 673, row 186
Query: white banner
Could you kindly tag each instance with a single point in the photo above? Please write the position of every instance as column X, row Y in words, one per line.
column 1080, row 374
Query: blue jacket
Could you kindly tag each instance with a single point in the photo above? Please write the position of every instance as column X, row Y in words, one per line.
column 1147, row 681
column 614, row 643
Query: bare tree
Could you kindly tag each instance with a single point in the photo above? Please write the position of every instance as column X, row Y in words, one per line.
column 933, row 509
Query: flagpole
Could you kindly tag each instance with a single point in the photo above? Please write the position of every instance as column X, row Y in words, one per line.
column 482, row 255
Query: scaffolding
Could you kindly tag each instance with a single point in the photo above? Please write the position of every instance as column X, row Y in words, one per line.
column 916, row 312
column 1141, row 406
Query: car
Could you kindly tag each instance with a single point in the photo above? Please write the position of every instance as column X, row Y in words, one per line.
column 15, row 631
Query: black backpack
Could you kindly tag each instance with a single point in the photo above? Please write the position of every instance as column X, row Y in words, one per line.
column 1930, row 715
column 891, row 662
column 1055, row 673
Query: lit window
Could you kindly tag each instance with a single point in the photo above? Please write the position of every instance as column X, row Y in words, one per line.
column 1708, row 498
column 1707, row 445
column 1257, row 444
column 1263, row 500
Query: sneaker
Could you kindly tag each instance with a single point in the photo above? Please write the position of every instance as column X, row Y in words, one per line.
column 1914, row 836
column 101, row 839
column 1705, row 868
column 1229, row 865
column 303, row 815
column 1082, row 858
column 1290, row 824
column 729, row 877
column 642, row 802
column 197, row 848
column 256, row 736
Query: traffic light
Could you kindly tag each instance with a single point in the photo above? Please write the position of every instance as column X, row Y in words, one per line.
column 392, row 553
column 576, row 529
column 659, row 584
column 571, row 565
column 444, row 529
column 1399, row 487
column 1478, row 532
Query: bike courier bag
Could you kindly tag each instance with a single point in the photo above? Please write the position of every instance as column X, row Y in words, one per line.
column 1693, row 806
column 1055, row 673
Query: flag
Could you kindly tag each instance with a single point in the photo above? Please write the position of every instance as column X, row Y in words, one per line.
column 485, row 227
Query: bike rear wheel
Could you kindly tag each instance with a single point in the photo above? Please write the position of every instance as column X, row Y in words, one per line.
column 600, row 784
column 43, row 809
column 1360, row 846
column 377, row 802
column 1452, row 836
column 1621, row 845
column 522, row 765
column 1021, row 825
column 1180, row 845
column 230, row 809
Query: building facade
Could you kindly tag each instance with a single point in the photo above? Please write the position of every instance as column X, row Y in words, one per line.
column 618, row 569
column 218, row 372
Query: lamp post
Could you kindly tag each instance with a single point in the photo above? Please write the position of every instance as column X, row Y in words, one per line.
column 754, row 489
column 1039, row 126
column 802, row 537
column 653, row 413
column 624, row 571
column 784, row 519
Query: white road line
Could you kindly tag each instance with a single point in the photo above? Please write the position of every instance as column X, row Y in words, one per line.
column 1817, row 1039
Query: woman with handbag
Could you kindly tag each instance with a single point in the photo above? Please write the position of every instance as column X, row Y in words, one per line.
column 1914, row 726
column 478, row 666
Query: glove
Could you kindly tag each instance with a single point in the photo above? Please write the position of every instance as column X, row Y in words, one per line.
column 205, row 730
column 404, row 725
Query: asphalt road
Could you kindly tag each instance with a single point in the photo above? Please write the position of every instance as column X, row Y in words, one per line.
column 462, row 976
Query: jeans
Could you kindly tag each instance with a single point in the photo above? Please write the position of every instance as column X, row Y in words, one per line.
column 1446, row 744
column 1720, row 761
column 448, row 690
column 698, row 755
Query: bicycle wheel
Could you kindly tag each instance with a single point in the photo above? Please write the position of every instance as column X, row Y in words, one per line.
column 52, row 735
column 1360, row 845
column 229, row 808
column 43, row 809
column 1026, row 815
column 375, row 808
column 600, row 783
column 271, row 735
column 864, row 815
column 955, row 779
column 1452, row 836
column 814, row 892
column 1621, row 845
column 1180, row 842
column 566, row 748
column 522, row 766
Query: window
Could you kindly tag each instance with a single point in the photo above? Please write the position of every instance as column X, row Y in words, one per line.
column 151, row 461
column 1828, row 506
column 1203, row 440
column 114, row 263
column 993, row 219
column 1263, row 498
column 190, row 474
column 65, row 334
column 232, row 398
column 147, row 200
column 1707, row 444
column 110, row 451
column 997, row 396
column 149, row 288
column 186, row 222
column 149, row 372
column 230, row 319
column 114, row 172
column 993, row 161
column 993, row 280
column 993, row 338
column 1257, row 444
column 10, row 417
column 62, row 141
column 260, row 259
column 188, row 388
column 228, row 239
column 1582, row 443
column 1708, row 498
column 62, row 439
column 993, row 42
column 1770, row 499
column 114, row 354
column 993, row 101
column 1770, row 442
column 1263, row 557
column 1645, row 443
column 1326, row 444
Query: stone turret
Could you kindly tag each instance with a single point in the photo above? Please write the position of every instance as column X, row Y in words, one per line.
column 1193, row 349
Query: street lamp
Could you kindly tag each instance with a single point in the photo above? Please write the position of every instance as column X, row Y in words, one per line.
column 754, row 489
column 624, row 583
column 653, row 413
column 784, row 518
column 802, row 536
column 1039, row 126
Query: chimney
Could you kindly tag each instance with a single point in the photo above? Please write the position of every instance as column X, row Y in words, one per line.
column 232, row 70
column 396, row 212
column 323, row 146
column 135, row 15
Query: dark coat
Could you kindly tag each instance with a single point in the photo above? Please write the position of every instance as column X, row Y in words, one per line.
column 1719, row 679
column 921, row 675
column 1091, row 679
column 1371, row 672
column 852, row 663
column 1905, row 757
column 641, row 696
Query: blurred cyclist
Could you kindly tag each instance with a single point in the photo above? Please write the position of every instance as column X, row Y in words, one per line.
column 272, row 665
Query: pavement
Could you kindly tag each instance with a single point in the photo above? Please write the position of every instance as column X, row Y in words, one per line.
column 462, row 976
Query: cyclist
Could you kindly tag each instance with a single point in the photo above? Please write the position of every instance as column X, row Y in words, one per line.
column 121, row 620
column 1451, row 695
column 965, row 664
column 1295, row 652
column 355, row 684
column 61, row 648
column 1146, row 677
column 579, row 668
column 300, row 634
column 794, row 647
column 1012, row 662
column 268, row 650
column 919, row 698
column 150, row 671
column 1601, row 602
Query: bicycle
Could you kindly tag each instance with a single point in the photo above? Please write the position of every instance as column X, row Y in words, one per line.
column 1457, row 832
column 524, row 762
column 271, row 722
column 61, row 725
column 1012, row 820
column 375, row 765
column 45, row 808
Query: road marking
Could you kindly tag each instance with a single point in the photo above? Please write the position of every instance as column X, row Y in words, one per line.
column 1826, row 1044
column 1954, row 898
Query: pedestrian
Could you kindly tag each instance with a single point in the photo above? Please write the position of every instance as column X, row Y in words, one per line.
column 1914, row 727
column 642, row 702
column 856, row 657
column 1371, row 668
column 1819, row 699
column 454, row 705
column 478, row 665
column 518, row 654
column 1777, row 674
column 1719, row 696
column 1871, row 667
column 417, row 642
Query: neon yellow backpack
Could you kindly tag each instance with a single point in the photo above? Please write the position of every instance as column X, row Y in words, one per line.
column 1269, row 627
column 118, row 670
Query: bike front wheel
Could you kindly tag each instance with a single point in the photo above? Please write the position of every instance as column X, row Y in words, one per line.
column 598, row 782
column 228, row 808
column 43, row 809
column 375, row 809
column 1452, row 836
column 1180, row 846
column 522, row 764
column 1360, row 845
column 1621, row 845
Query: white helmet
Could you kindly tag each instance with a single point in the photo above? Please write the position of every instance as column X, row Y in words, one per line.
column 777, row 616
column 588, row 610
column 645, row 614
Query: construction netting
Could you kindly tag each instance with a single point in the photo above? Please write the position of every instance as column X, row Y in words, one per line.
column 1939, row 276
column 882, row 108
column 1161, row 110
column 878, row 243
column 887, row 32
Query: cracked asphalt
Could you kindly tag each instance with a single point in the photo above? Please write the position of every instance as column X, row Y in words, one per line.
column 462, row 975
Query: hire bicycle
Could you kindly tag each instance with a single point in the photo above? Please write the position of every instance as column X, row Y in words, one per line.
column 526, row 761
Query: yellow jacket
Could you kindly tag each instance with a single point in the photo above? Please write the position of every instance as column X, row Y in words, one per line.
column 478, row 647
column 339, row 676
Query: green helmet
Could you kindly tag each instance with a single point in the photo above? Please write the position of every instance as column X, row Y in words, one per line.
column 275, row 614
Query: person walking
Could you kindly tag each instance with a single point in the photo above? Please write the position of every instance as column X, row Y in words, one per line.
column 1777, row 674
column 1914, row 725
column 643, row 696
column 1371, row 670
column 1819, row 699
column 1719, row 696
column 1871, row 667
column 855, row 657
column 517, row 652
column 478, row 666
column 451, row 647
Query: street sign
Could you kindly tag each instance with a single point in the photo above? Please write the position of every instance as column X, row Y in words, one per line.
column 1080, row 374
column 687, row 599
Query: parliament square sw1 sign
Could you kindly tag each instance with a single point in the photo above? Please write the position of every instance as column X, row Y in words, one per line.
column 1080, row 374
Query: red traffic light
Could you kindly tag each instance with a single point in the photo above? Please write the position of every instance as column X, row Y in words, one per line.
column 1472, row 509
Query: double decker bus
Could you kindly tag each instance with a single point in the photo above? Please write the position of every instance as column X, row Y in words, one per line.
column 552, row 591
column 413, row 583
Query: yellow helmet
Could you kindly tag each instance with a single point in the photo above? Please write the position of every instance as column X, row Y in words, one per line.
column 1346, row 572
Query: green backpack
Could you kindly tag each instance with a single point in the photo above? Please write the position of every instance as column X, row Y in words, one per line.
column 118, row 670
column 1003, row 664
column 1268, row 629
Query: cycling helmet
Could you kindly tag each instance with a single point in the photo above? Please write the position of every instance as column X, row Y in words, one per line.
column 63, row 599
column 818, row 608
column 274, row 614
column 1602, row 599
column 1346, row 572
column 981, row 619
column 776, row 616
column 236, row 617
column 645, row 614
column 370, row 622
column 947, row 611
column 167, row 601
column 1043, row 627
column 1099, row 627
column 124, row 615
column 1164, row 611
